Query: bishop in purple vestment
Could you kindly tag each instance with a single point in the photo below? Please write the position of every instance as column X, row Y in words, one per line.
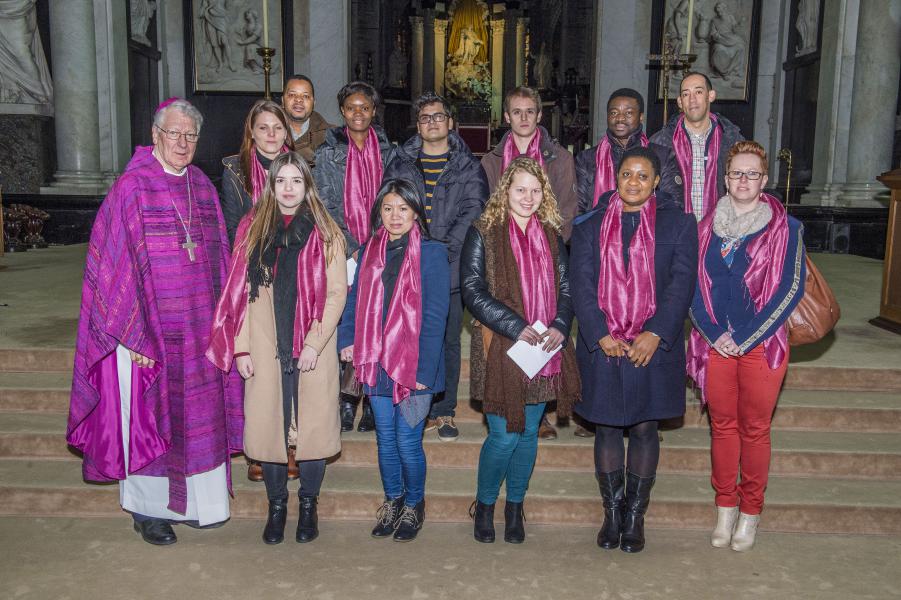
column 147, row 408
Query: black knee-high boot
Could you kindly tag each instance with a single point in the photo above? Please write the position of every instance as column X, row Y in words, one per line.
column 638, row 496
column 612, row 486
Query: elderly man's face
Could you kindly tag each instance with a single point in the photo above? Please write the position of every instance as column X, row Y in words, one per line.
column 177, row 153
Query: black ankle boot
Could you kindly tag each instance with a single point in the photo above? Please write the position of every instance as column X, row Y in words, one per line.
column 613, row 495
column 348, row 413
column 483, row 522
column 514, row 532
column 638, row 496
column 367, row 421
column 274, row 533
column 308, row 521
column 386, row 517
column 410, row 522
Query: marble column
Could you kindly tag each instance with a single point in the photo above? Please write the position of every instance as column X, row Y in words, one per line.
column 440, row 54
column 328, row 60
column 497, row 67
column 875, row 96
column 114, row 103
column 521, row 24
column 836, row 80
column 75, row 99
column 416, row 52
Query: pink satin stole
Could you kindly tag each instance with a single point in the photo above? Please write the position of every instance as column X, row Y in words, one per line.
column 682, row 148
column 258, row 175
column 394, row 344
column 533, row 150
column 627, row 295
column 536, row 279
column 604, row 175
column 362, row 178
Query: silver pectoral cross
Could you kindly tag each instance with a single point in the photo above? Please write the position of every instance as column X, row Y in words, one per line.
column 189, row 246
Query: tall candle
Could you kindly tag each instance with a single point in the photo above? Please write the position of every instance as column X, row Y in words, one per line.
column 266, row 23
column 691, row 13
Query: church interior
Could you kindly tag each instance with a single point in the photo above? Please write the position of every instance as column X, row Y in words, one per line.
column 816, row 82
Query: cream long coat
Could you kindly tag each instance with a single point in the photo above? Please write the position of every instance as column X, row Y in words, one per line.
column 318, row 423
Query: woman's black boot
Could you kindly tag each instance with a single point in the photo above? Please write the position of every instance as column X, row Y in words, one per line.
column 514, row 532
column 274, row 533
column 638, row 496
column 348, row 412
column 612, row 487
column 386, row 517
column 410, row 522
column 308, row 521
column 483, row 522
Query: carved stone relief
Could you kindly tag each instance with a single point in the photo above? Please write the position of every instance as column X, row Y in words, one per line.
column 807, row 24
column 24, row 76
column 141, row 14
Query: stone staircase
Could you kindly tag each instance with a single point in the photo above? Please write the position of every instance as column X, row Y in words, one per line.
column 836, row 459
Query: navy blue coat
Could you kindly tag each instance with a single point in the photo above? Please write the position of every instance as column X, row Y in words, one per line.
column 435, row 274
column 614, row 391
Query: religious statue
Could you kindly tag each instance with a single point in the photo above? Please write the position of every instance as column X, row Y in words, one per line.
column 250, row 36
column 468, row 48
column 543, row 68
column 24, row 76
column 807, row 25
column 141, row 13
column 727, row 46
column 676, row 26
column 214, row 18
column 397, row 63
column 467, row 76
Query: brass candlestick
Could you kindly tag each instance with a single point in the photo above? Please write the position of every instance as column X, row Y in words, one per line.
column 670, row 61
column 785, row 155
column 267, row 54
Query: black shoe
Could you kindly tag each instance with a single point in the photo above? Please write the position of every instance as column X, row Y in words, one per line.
column 638, row 496
column 348, row 413
column 387, row 516
column 410, row 522
column 196, row 524
column 613, row 495
column 156, row 531
column 274, row 533
column 514, row 532
column 308, row 521
column 367, row 421
column 483, row 522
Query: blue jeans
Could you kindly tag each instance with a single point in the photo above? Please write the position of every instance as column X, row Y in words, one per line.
column 509, row 456
column 401, row 457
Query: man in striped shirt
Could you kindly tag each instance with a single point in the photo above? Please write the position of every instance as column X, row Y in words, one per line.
column 455, row 189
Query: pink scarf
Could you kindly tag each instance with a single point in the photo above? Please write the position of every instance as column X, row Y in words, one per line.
column 232, row 306
column 767, row 252
column 362, row 178
column 604, row 175
column 258, row 175
column 536, row 279
column 627, row 296
column 682, row 148
column 393, row 344
column 533, row 151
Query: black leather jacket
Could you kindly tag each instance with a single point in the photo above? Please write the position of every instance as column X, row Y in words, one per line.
column 493, row 313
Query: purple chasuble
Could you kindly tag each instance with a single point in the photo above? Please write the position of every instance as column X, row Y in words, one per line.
column 142, row 290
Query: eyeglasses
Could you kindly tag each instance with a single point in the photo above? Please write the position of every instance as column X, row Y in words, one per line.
column 437, row 117
column 190, row 136
column 751, row 175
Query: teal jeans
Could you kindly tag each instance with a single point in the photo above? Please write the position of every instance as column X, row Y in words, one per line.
column 509, row 456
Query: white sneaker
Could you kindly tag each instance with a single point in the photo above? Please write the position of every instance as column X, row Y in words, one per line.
column 745, row 532
column 725, row 525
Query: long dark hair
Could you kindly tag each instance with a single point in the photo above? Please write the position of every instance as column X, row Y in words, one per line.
column 248, row 147
column 410, row 195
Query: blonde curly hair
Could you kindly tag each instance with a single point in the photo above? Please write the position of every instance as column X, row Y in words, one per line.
column 498, row 206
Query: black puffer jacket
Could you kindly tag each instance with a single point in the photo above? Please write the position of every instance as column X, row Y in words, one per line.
column 331, row 164
column 493, row 313
column 671, row 179
column 458, row 198
column 587, row 167
column 235, row 200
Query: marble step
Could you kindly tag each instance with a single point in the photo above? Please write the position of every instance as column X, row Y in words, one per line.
column 797, row 409
column 680, row 501
column 686, row 450
column 800, row 377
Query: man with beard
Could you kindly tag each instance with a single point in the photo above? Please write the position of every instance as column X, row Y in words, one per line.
column 308, row 127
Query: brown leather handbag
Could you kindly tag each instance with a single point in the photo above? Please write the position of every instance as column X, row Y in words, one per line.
column 817, row 312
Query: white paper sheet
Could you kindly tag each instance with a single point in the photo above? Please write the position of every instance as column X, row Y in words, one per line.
column 529, row 358
column 351, row 270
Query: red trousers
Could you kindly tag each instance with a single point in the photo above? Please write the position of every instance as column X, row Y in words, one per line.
column 741, row 396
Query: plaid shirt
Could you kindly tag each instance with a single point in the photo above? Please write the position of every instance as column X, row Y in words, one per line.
column 698, row 170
